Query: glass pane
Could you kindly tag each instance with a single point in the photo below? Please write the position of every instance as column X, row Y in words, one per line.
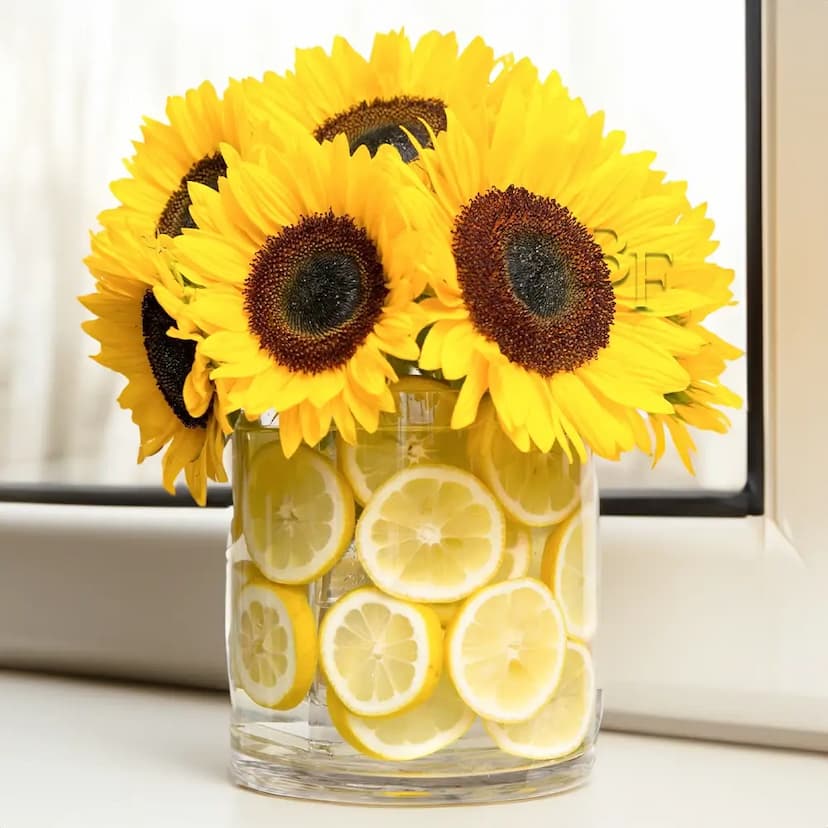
column 79, row 77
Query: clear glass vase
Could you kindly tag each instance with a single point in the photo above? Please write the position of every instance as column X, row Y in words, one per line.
column 409, row 618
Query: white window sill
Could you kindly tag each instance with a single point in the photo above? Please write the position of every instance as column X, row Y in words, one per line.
column 710, row 627
column 82, row 753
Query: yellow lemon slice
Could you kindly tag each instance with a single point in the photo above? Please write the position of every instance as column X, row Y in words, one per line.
column 562, row 724
column 420, row 432
column 431, row 534
column 430, row 726
column 380, row 655
column 275, row 647
column 298, row 514
column 506, row 649
column 517, row 554
column 570, row 569
column 535, row 488
column 242, row 572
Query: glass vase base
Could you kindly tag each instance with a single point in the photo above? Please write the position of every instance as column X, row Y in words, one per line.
column 365, row 782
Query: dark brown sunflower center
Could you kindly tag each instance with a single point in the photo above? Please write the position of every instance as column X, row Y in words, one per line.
column 315, row 292
column 171, row 360
column 176, row 213
column 385, row 122
column 534, row 280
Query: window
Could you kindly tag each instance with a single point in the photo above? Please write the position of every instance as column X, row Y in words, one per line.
column 711, row 621
column 84, row 107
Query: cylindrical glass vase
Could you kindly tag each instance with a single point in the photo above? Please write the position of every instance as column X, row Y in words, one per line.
column 409, row 619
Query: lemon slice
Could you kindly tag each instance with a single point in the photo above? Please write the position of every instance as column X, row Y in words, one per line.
column 506, row 649
column 298, row 514
column 380, row 655
column 242, row 572
column 517, row 555
column 420, row 432
column 276, row 652
column 562, row 724
column 536, row 488
column 570, row 569
column 431, row 534
column 430, row 726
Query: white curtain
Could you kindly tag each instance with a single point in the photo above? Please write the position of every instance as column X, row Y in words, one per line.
column 75, row 79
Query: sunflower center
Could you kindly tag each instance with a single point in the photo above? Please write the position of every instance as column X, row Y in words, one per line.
column 324, row 294
column 176, row 213
column 534, row 280
column 385, row 121
column 538, row 273
column 171, row 360
column 315, row 292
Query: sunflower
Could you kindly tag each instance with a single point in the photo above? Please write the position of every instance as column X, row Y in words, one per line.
column 139, row 298
column 168, row 390
column 567, row 278
column 400, row 91
column 155, row 198
column 307, row 263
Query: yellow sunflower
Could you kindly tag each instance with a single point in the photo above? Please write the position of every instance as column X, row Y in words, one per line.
column 168, row 390
column 397, row 91
column 567, row 276
column 154, row 198
column 308, row 267
column 139, row 298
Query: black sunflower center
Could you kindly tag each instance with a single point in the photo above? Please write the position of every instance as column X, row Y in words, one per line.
column 176, row 213
column 534, row 280
column 170, row 359
column 538, row 272
column 384, row 121
column 315, row 292
column 324, row 294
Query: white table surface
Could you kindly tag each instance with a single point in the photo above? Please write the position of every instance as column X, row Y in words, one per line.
column 83, row 753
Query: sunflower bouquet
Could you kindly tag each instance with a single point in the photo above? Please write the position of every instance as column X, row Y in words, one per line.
column 422, row 288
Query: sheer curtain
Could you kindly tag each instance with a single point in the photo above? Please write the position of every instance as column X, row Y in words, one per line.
column 75, row 79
